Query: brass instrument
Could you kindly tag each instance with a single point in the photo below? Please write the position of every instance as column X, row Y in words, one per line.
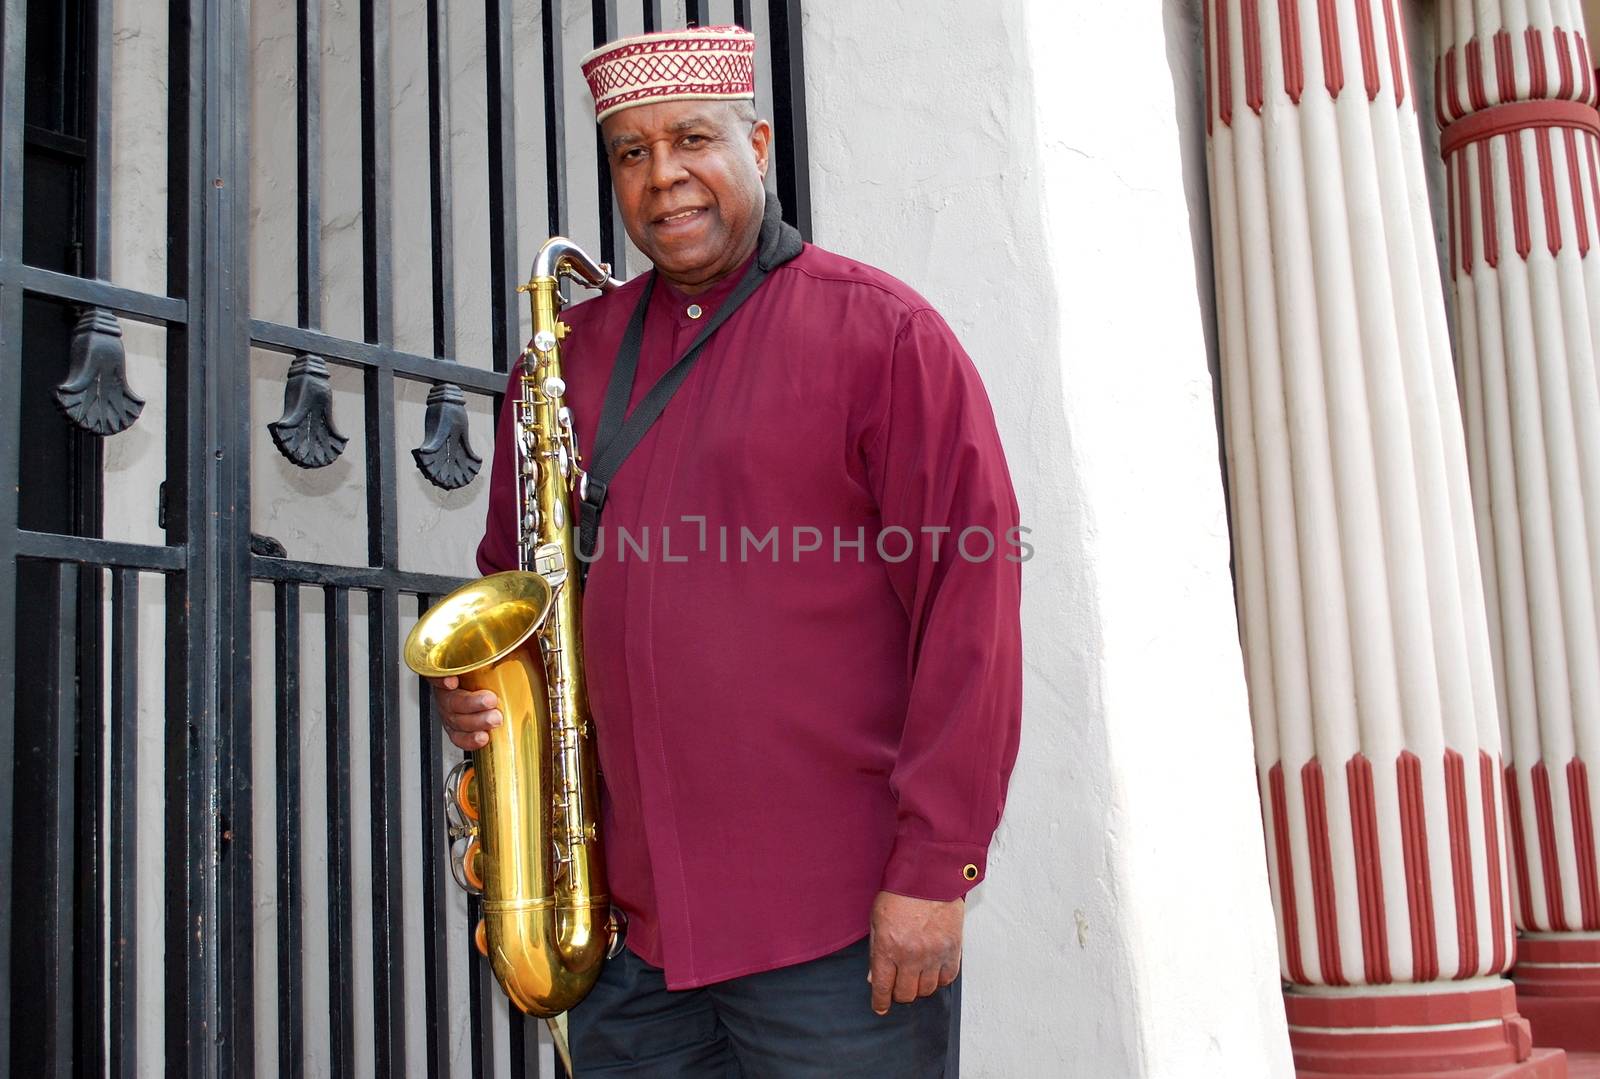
column 524, row 811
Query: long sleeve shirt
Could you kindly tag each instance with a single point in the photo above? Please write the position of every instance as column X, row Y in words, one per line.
column 801, row 624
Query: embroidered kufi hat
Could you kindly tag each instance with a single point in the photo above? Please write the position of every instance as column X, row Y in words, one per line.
column 701, row 63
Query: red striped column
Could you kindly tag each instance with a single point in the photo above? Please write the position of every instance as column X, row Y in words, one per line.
column 1516, row 96
column 1360, row 598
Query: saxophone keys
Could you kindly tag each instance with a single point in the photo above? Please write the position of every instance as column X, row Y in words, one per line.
column 617, row 926
column 544, row 340
column 459, row 851
column 457, row 817
column 472, row 864
column 554, row 387
column 467, row 793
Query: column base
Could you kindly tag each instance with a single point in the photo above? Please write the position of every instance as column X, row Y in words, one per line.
column 1543, row 1064
column 1558, row 989
column 1468, row 1033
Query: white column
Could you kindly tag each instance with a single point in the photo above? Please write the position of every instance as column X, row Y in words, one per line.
column 1360, row 599
column 1521, row 143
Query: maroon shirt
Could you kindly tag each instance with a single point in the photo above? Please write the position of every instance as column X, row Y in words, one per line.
column 784, row 732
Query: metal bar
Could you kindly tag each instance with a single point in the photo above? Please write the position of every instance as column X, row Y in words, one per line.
column 504, row 274
column 98, row 263
column 60, row 805
column 387, row 818
column 341, row 925
column 555, row 117
column 10, row 396
column 440, row 204
column 652, row 16
column 383, row 611
column 89, row 913
column 741, row 13
column 92, row 973
column 377, row 230
column 523, row 1045
column 697, row 12
column 124, row 837
column 481, row 990
column 192, row 997
column 43, row 138
column 362, row 354
column 54, row 547
column 226, row 297
column 291, row 963
column 383, row 652
column 383, row 614
column 435, row 851
column 383, row 524
column 613, row 239
column 141, row 306
column 13, row 60
column 308, row 158
column 321, row 573
column 789, row 108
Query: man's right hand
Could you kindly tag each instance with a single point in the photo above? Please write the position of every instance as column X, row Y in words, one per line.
column 466, row 714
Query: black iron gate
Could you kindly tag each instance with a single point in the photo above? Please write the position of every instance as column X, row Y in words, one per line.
column 100, row 619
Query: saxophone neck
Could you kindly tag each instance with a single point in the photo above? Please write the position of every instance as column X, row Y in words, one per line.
column 560, row 257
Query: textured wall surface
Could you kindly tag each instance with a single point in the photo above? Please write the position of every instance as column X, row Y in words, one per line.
column 1034, row 174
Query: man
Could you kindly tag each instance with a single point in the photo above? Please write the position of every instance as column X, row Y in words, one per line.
column 800, row 621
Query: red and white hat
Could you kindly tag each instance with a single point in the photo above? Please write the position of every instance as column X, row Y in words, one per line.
column 702, row 62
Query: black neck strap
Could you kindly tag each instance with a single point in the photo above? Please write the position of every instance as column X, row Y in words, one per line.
column 617, row 436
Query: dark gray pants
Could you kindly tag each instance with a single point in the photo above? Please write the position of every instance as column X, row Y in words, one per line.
column 810, row 1020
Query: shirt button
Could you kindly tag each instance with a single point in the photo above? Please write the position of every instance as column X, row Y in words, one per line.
column 694, row 311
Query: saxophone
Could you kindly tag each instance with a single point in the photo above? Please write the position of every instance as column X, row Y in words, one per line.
column 523, row 810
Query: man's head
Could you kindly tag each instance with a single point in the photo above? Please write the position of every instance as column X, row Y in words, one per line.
column 687, row 152
column 688, row 180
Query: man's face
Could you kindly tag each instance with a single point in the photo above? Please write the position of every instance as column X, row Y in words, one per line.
column 688, row 175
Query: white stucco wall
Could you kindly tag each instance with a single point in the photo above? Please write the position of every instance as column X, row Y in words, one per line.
column 1037, row 173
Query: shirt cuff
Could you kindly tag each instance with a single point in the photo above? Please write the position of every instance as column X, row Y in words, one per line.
column 924, row 869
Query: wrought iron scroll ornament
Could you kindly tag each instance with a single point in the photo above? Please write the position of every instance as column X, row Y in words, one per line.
column 95, row 395
column 445, row 456
column 305, row 433
column 267, row 546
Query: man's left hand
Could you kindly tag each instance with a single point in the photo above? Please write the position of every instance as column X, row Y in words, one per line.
column 916, row 947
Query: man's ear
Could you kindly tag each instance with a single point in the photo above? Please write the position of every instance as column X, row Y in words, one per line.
column 761, row 143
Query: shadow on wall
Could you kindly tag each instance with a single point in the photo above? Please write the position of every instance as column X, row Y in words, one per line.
column 1186, row 59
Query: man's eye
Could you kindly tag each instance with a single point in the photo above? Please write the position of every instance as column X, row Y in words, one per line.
column 635, row 154
column 693, row 140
